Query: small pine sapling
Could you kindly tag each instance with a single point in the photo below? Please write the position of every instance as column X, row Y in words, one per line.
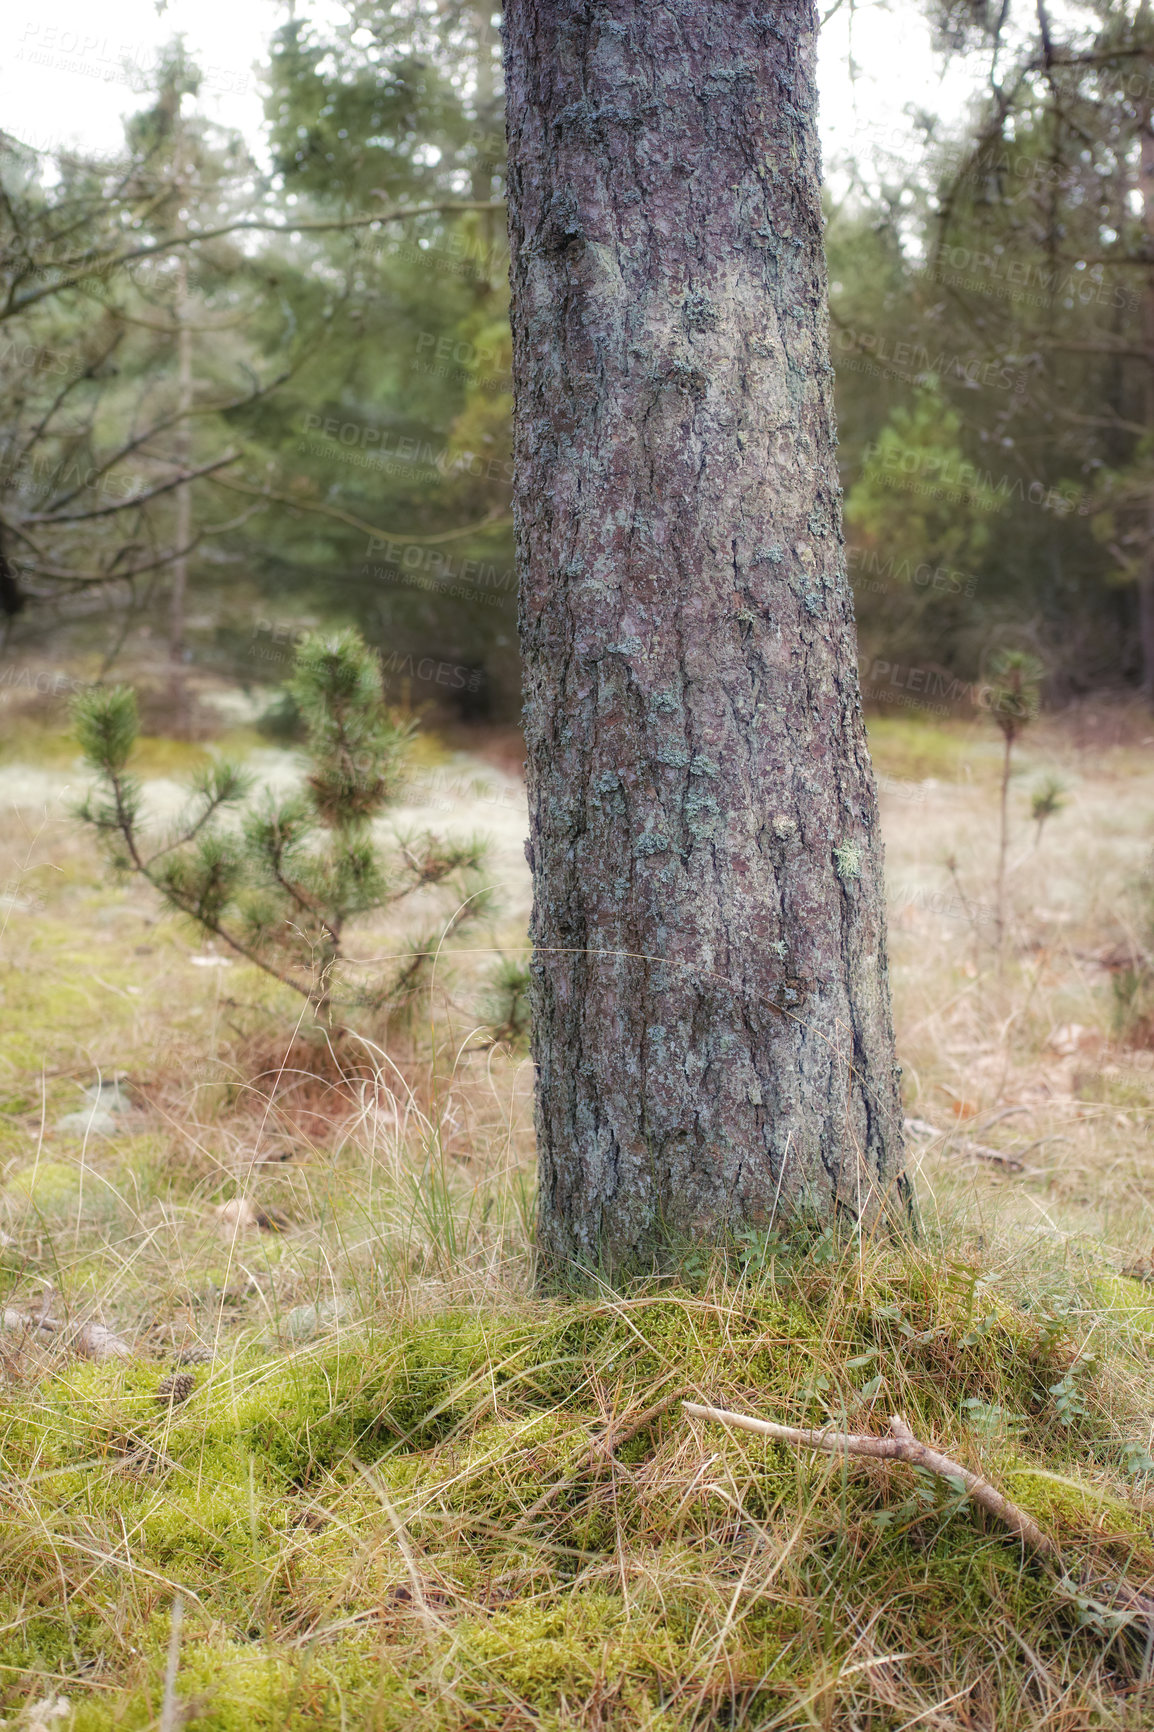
column 507, row 1004
column 1045, row 803
column 279, row 880
column 1015, row 693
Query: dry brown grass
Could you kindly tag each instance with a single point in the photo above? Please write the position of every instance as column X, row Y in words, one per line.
column 1028, row 1059
column 404, row 1492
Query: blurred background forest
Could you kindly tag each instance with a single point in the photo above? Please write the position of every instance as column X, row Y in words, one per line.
column 238, row 399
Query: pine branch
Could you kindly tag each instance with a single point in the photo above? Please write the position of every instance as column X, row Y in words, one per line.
column 495, row 519
column 279, row 893
column 215, row 798
column 178, row 480
column 186, row 905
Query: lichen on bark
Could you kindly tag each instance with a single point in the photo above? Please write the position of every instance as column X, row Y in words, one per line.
column 712, row 1029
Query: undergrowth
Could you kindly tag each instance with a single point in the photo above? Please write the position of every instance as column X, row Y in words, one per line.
column 410, row 1519
column 352, row 1473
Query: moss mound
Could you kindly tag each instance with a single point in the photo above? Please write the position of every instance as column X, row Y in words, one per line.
column 419, row 1522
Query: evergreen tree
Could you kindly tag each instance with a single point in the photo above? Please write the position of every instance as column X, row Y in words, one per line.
column 388, row 461
column 104, row 431
column 1041, row 246
column 283, row 885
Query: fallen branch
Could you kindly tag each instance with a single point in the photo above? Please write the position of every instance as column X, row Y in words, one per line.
column 965, row 1146
column 902, row 1445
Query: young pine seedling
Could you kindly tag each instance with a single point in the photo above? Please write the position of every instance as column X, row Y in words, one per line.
column 280, row 880
column 1045, row 803
column 1015, row 692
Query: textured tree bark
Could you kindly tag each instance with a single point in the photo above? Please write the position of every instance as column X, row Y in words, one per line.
column 1146, row 566
column 712, row 1026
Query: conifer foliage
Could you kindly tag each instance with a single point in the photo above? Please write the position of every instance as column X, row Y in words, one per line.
column 281, row 879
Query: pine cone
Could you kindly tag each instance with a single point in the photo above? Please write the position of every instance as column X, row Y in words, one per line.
column 172, row 1390
column 194, row 1354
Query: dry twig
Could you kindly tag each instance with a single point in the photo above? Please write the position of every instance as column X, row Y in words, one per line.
column 91, row 1340
column 902, row 1445
column 967, row 1146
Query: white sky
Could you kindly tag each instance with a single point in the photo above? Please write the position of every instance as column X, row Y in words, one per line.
column 63, row 77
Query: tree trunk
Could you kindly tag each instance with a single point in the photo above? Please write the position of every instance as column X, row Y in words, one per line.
column 1146, row 568
column 182, row 452
column 712, row 1028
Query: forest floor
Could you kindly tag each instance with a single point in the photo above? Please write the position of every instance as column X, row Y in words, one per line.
column 286, row 1440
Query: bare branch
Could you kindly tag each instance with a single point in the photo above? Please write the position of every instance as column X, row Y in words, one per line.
column 79, row 268
column 139, row 498
column 902, row 1445
column 82, row 378
column 492, row 520
column 162, row 426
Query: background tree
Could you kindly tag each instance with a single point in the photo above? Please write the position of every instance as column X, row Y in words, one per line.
column 1020, row 264
column 388, row 460
column 987, row 302
column 102, row 442
column 172, row 228
column 711, row 1009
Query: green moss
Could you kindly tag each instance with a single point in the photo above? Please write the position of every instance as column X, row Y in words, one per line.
column 46, row 1187
column 1063, row 1504
column 1127, row 1301
column 546, row 1655
column 275, row 1494
column 408, row 1517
